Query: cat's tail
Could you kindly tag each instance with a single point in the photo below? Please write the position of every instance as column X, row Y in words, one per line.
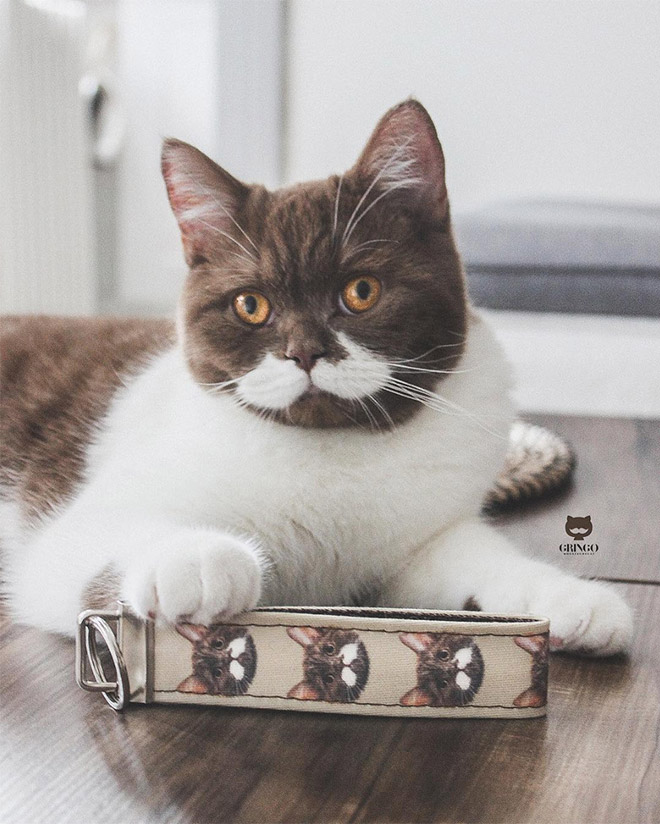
column 538, row 463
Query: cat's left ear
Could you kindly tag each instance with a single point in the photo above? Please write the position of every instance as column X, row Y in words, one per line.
column 404, row 154
column 203, row 196
column 193, row 684
column 531, row 643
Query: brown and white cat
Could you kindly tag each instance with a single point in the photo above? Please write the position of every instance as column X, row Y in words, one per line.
column 325, row 422
column 335, row 664
column 450, row 669
column 224, row 659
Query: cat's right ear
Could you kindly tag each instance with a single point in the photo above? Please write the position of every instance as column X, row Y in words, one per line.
column 203, row 196
column 304, row 635
column 417, row 641
column 531, row 643
column 193, row 632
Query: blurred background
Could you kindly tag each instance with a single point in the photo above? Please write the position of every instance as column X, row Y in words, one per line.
column 548, row 112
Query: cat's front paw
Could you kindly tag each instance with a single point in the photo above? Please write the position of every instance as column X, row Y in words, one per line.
column 200, row 575
column 586, row 617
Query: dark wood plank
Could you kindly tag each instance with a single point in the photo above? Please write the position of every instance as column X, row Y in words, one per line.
column 66, row 757
column 617, row 482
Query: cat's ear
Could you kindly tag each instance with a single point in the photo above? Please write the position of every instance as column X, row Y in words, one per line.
column 304, row 635
column 303, row 692
column 531, row 697
column 416, row 697
column 193, row 632
column 192, row 684
column 404, row 154
column 531, row 643
column 203, row 196
column 417, row 641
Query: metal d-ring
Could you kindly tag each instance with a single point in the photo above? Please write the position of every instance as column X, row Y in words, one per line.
column 116, row 693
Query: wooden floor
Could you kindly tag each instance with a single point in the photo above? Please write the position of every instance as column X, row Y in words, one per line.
column 66, row 757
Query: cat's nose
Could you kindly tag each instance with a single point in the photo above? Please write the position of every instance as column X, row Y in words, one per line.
column 303, row 358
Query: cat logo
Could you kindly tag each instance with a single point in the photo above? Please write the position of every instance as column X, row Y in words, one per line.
column 578, row 529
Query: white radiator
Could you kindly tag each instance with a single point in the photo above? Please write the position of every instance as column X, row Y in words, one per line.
column 46, row 203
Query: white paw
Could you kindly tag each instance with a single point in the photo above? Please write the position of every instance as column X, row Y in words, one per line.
column 198, row 576
column 585, row 617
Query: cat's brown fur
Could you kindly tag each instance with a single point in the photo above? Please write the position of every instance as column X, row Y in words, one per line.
column 289, row 252
column 57, row 377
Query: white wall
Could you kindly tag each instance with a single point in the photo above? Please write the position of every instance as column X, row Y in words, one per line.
column 530, row 98
column 204, row 71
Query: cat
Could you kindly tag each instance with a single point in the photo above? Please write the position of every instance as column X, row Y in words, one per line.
column 536, row 694
column 224, row 659
column 322, row 424
column 335, row 664
column 579, row 528
column 450, row 669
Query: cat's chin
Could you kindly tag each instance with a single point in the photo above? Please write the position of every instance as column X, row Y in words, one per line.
column 318, row 409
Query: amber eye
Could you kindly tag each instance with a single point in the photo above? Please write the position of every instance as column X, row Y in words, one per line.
column 361, row 293
column 252, row 307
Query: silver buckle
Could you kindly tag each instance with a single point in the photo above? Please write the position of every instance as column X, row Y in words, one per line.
column 116, row 693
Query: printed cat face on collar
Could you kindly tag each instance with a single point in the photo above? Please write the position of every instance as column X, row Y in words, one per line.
column 333, row 303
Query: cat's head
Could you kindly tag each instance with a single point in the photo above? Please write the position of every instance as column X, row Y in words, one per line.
column 579, row 528
column 335, row 664
column 224, row 659
column 450, row 669
column 326, row 303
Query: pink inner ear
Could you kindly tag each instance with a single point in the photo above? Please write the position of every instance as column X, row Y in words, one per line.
column 417, row 641
column 531, row 643
column 416, row 697
column 304, row 635
column 303, row 692
column 193, row 632
column 192, row 684
column 404, row 152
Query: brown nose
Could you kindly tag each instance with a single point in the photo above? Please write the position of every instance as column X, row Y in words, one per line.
column 303, row 358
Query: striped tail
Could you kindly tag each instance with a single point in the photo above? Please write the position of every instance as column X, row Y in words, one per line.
column 538, row 462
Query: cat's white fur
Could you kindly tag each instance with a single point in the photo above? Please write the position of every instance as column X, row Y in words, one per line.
column 205, row 508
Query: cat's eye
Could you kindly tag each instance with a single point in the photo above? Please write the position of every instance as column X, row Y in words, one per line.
column 328, row 679
column 360, row 294
column 218, row 643
column 442, row 654
column 329, row 649
column 252, row 308
column 217, row 671
column 444, row 683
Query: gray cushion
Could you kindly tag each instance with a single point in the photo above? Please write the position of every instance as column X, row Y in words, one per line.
column 563, row 257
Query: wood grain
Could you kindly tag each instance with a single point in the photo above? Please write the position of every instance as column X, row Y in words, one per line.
column 66, row 757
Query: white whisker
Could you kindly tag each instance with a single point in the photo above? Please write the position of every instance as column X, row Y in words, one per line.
column 229, row 237
column 395, row 156
column 209, row 193
column 336, row 210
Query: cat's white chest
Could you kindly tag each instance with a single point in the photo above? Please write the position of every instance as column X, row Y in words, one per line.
column 335, row 510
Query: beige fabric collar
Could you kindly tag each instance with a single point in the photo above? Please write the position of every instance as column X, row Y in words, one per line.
column 367, row 661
